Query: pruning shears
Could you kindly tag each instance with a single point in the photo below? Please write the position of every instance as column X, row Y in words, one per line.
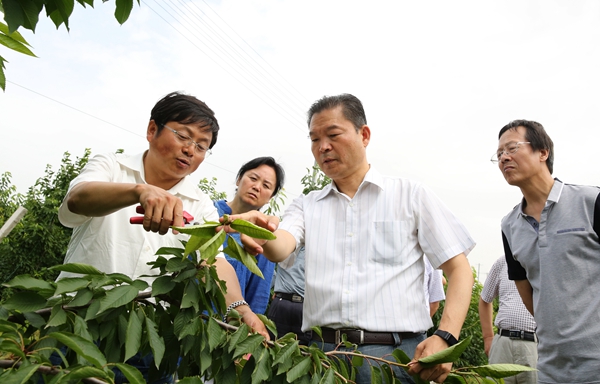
column 187, row 218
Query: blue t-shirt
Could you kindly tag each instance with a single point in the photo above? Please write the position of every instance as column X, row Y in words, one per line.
column 256, row 291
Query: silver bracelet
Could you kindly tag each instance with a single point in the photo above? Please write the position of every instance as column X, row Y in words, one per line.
column 233, row 305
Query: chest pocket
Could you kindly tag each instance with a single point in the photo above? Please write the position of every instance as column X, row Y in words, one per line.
column 389, row 241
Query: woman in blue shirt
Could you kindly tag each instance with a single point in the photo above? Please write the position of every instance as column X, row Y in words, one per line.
column 257, row 182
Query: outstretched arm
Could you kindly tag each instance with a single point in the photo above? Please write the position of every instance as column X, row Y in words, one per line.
column 275, row 250
column 99, row 198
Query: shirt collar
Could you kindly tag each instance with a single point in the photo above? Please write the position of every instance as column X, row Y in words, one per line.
column 136, row 164
column 553, row 197
column 372, row 177
column 556, row 191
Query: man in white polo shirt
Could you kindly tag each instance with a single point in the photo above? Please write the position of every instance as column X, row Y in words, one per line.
column 102, row 199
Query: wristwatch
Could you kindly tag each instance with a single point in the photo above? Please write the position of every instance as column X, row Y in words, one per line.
column 450, row 339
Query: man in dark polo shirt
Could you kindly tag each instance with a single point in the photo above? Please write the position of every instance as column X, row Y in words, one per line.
column 552, row 247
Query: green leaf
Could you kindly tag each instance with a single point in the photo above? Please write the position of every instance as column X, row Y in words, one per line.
column 132, row 374
column 206, row 230
column 248, row 345
column 235, row 250
column 15, row 35
column 170, row 251
column 81, row 346
column 2, row 75
column 329, row 378
column 209, row 250
column 214, row 334
column 238, row 336
column 262, row 371
column 57, row 317
column 141, row 285
column 162, row 285
column 133, row 339
column 157, row 344
column 82, row 298
column 123, row 10
column 83, row 269
column 81, row 328
column 25, row 302
column 62, row 12
column 183, row 318
column 357, row 361
column 191, row 329
column 501, row 370
column 299, row 369
column 117, row 297
column 252, row 230
column 78, row 373
column 120, row 277
column 21, row 375
column 10, row 346
column 21, row 13
column 387, row 373
column 286, row 352
column 186, row 274
column 34, row 319
column 401, row 356
column 175, row 265
column 191, row 296
column 448, row 355
column 70, row 284
column 28, row 282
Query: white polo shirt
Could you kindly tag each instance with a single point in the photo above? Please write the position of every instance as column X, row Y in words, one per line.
column 110, row 243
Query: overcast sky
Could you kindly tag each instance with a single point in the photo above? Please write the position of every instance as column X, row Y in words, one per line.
column 438, row 79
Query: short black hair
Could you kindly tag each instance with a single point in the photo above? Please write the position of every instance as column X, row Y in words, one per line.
column 352, row 108
column 185, row 109
column 537, row 137
column 268, row 160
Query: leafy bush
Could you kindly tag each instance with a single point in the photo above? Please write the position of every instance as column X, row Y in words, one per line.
column 104, row 319
column 38, row 240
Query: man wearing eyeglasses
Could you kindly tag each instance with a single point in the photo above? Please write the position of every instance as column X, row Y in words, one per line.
column 366, row 235
column 552, row 248
column 102, row 199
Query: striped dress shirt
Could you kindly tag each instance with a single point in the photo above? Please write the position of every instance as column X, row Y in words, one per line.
column 364, row 266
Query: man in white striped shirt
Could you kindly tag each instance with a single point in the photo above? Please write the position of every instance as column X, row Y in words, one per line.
column 365, row 237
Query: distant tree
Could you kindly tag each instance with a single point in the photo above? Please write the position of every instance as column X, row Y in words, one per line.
column 314, row 179
column 38, row 240
column 26, row 13
column 209, row 187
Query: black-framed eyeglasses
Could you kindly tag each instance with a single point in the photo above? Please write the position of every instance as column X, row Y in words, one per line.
column 509, row 149
column 187, row 141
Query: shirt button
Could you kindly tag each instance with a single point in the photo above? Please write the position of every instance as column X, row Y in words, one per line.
column 350, row 234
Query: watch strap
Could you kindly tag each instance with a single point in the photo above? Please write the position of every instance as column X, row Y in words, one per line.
column 447, row 336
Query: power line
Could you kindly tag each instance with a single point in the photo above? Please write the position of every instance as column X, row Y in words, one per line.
column 227, row 63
